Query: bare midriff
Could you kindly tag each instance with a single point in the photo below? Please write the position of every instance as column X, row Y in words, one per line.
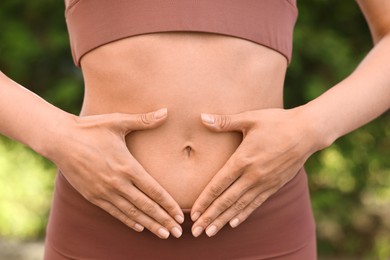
column 188, row 73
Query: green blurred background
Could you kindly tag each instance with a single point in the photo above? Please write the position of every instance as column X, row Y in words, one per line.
column 349, row 181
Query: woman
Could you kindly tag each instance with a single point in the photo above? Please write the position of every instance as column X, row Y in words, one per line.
column 124, row 170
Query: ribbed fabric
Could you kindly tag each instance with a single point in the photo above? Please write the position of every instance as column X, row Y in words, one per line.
column 92, row 23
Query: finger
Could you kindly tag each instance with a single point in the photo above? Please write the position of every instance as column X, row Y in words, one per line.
column 226, row 123
column 245, row 213
column 227, row 216
column 150, row 208
column 219, row 183
column 148, row 185
column 130, row 122
column 128, row 213
column 116, row 213
column 233, row 200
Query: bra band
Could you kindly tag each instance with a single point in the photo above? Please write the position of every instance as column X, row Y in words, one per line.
column 93, row 23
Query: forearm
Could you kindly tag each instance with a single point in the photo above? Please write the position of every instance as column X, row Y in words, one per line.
column 355, row 101
column 27, row 118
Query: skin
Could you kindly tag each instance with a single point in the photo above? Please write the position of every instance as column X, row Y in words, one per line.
column 99, row 139
column 112, row 163
column 277, row 142
column 257, row 146
column 187, row 74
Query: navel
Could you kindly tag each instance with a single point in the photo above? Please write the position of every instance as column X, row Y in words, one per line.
column 188, row 151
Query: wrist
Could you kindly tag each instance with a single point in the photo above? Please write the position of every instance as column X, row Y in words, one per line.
column 56, row 132
column 315, row 127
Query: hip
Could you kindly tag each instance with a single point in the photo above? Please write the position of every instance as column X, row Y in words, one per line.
column 282, row 227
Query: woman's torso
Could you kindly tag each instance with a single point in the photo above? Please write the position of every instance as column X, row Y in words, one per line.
column 189, row 73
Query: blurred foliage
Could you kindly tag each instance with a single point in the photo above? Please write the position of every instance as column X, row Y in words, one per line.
column 26, row 184
column 349, row 181
column 35, row 51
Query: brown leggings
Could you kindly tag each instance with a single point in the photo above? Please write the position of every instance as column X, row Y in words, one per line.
column 282, row 228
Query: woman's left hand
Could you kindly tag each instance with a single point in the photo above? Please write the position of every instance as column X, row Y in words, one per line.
column 276, row 143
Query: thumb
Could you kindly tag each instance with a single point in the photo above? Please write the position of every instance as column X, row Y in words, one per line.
column 142, row 121
column 226, row 123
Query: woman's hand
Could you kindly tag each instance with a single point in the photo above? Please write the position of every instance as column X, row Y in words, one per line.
column 275, row 145
column 94, row 158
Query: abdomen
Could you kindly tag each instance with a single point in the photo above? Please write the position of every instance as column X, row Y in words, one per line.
column 190, row 74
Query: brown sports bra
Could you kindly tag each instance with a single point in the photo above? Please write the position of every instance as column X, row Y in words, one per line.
column 92, row 23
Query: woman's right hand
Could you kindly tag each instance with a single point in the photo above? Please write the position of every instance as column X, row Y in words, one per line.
column 93, row 156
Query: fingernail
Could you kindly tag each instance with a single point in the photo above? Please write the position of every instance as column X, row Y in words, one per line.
column 163, row 233
column 160, row 113
column 138, row 227
column 176, row 232
column 211, row 231
column 197, row 231
column 179, row 219
column 209, row 119
column 195, row 216
column 234, row 222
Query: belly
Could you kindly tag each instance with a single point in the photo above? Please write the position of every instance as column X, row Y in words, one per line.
column 189, row 74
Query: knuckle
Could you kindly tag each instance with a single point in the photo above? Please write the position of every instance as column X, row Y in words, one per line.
column 143, row 119
column 215, row 190
column 224, row 121
column 239, row 205
column 257, row 203
column 169, row 207
column 118, row 185
column 156, row 194
column 229, row 178
column 92, row 196
column 207, row 220
column 148, row 208
column 166, row 222
column 203, row 205
column 113, row 213
column 241, row 162
column 123, row 167
column 255, row 177
column 115, row 182
column 132, row 212
column 150, row 225
column 136, row 200
column 153, row 227
column 226, row 203
column 93, row 200
column 127, row 221
column 132, row 171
